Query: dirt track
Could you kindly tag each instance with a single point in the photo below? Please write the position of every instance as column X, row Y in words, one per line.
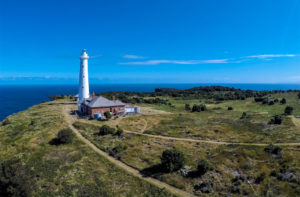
column 70, row 120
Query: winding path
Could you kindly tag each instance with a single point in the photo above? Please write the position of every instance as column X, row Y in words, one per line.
column 70, row 120
column 211, row 141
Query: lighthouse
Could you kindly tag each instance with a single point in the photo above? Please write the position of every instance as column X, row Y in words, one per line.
column 83, row 93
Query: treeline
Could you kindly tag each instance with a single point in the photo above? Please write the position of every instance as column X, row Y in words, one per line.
column 217, row 93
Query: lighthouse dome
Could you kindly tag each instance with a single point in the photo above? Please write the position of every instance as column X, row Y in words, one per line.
column 84, row 55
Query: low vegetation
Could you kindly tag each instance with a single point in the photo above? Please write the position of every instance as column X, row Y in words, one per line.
column 203, row 169
column 172, row 160
column 31, row 166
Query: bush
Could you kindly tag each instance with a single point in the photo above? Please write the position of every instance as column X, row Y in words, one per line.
column 115, row 152
column 299, row 95
column 187, row 107
column 260, row 177
column 172, row 160
column 119, row 132
column 276, row 120
column 265, row 101
column 203, row 166
column 244, row 115
column 274, row 150
column 65, row 136
column 105, row 130
column 283, row 101
column 271, row 103
column 230, row 108
column 258, row 99
column 288, row 110
column 107, row 115
column 199, row 108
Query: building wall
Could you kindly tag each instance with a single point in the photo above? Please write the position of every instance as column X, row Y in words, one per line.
column 113, row 110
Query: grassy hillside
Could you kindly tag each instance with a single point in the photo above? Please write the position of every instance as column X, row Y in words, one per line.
column 237, row 169
column 30, row 166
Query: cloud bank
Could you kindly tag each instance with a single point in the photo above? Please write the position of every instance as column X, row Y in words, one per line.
column 156, row 62
column 215, row 61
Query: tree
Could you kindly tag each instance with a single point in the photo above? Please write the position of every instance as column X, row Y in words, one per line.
column 119, row 132
column 107, row 115
column 199, row 108
column 244, row 115
column 172, row 160
column 187, row 107
column 65, row 136
column 196, row 108
column 288, row 110
column 299, row 95
column 105, row 130
column 203, row 166
column 276, row 120
column 283, row 101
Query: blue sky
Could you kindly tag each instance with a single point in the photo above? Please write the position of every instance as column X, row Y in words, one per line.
column 190, row 41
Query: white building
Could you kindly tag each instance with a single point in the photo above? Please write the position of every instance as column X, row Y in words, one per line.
column 83, row 92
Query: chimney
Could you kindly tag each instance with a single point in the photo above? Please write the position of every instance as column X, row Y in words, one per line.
column 93, row 96
column 113, row 98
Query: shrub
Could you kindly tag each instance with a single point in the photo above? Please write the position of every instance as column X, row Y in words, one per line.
column 258, row 99
column 230, row 108
column 299, row 95
column 105, row 130
column 5, row 122
column 288, row 110
column 244, row 115
column 276, row 100
column 260, row 177
column 203, row 166
column 114, row 152
column 274, row 150
column 187, row 107
column 107, row 115
column 119, row 132
column 65, row 136
column 172, row 160
column 196, row 108
column 265, row 101
column 271, row 103
column 276, row 120
column 283, row 101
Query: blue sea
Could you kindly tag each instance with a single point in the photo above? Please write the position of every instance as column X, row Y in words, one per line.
column 15, row 98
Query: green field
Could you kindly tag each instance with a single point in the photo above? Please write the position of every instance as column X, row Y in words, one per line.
column 217, row 124
column 33, row 167
column 30, row 166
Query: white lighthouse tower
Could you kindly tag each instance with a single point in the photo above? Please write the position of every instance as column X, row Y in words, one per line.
column 83, row 92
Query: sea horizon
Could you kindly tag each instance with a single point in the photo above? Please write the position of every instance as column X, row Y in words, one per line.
column 33, row 94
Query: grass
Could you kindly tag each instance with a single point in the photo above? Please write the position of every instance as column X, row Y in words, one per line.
column 65, row 170
column 144, row 152
column 75, row 170
column 218, row 123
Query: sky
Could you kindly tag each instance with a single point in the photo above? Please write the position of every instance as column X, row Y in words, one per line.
column 150, row 41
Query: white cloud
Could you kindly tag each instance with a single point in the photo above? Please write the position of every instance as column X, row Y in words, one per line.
column 133, row 57
column 156, row 62
column 216, row 61
column 271, row 55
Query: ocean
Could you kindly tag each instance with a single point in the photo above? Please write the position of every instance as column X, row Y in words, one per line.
column 15, row 98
